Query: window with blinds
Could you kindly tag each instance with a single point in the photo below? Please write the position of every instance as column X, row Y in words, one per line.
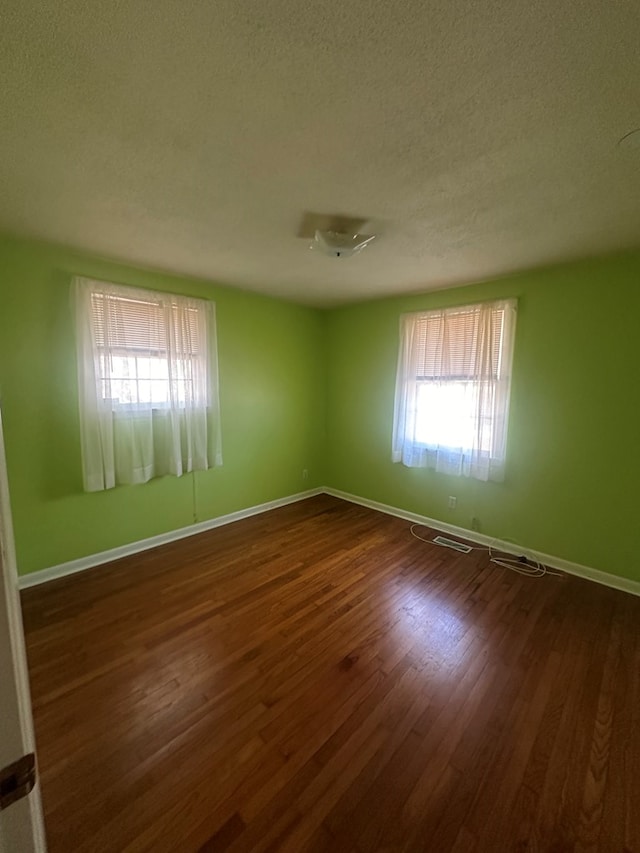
column 143, row 323
column 150, row 348
column 453, row 388
column 459, row 344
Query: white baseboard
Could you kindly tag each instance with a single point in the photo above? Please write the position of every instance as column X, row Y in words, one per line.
column 614, row 581
column 73, row 566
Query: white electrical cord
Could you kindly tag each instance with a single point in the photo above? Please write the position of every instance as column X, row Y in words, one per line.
column 537, row 570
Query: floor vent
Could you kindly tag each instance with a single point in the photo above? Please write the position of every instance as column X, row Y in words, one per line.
column 451, row 543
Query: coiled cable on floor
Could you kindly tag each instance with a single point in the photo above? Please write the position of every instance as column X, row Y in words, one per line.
column 527, row 566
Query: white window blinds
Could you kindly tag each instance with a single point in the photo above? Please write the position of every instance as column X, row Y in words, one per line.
column 144, row 321
column 459, row 343
column 452, row 389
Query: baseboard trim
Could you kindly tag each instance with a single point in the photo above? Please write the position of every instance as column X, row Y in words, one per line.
column 93, row 560
column 613, row 581
column 83, row 563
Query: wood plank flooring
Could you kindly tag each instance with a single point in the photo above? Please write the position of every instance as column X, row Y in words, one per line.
column 316, row 679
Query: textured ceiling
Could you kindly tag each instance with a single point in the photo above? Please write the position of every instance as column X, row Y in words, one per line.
column 479, row 137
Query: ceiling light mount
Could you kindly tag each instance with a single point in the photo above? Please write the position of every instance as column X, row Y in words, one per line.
column 338, row 244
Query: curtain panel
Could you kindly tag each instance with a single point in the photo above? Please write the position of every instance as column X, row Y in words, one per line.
column 147, row 383
column 453, row 385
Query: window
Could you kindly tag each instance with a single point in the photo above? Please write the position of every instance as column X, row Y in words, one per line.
column 133, row 333
column 452, row 389
column 147, row 372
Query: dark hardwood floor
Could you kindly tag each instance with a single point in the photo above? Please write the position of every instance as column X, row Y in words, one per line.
column 314, row 679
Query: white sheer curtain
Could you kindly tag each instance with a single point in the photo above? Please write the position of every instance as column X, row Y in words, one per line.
column 147, row 382
column 452, row 389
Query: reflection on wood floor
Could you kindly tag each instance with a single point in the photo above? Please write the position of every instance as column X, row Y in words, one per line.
column 314, row 678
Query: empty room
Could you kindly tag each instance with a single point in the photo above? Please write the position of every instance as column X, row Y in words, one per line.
column 319, row 403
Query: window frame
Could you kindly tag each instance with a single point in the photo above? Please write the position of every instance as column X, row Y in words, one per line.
column 497, row 378
column 105, row 353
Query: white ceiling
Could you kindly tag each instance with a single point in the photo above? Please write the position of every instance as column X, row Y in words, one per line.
column 479, row 137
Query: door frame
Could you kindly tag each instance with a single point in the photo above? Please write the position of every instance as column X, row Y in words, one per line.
column 22, row 823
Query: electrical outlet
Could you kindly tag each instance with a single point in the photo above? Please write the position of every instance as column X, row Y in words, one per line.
column 475, row 523
column 453, row 502
column 305, row 474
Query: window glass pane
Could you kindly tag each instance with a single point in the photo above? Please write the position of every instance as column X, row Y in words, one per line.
column 144, row 380
column 447, row 416
column 156, row 368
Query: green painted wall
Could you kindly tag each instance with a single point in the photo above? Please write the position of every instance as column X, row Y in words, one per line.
column 309, row 389
column 574, row 452
column 271, row 392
